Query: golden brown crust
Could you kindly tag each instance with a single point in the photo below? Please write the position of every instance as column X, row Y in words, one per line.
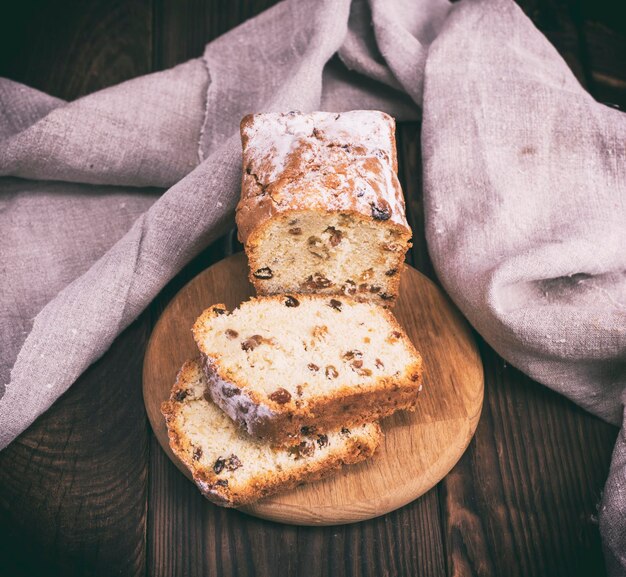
column 282, row 423
column 355, row 449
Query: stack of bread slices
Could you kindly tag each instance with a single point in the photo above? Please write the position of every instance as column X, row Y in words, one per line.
column 289, row 386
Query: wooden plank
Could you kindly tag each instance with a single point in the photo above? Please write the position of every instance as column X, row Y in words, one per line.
column 523, row 499
column 189, row 536
column 73, row 488
column 183, row 27
column 606, row 57
column 69, row 48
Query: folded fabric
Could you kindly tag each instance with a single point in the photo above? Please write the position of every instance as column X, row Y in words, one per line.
column 525, row 206
column 524, row 191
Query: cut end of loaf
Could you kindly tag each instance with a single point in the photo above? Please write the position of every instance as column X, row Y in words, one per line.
column 329, row 253
column 230, row 467
column 278, row 364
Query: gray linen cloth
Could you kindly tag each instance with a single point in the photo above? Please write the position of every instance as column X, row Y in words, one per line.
column 525, row 182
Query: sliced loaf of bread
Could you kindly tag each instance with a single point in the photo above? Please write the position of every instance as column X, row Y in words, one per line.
column 281, row 365
column 230, row 467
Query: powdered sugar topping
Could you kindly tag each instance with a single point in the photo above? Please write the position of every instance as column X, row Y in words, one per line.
column 335, row 161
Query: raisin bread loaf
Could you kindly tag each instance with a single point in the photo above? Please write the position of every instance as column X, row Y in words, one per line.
column 282, row 364
column 321, row 207
column 230, row 467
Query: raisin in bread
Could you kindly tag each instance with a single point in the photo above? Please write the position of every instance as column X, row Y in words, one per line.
column 321, row 207
column 278, row 364
column 230, row 467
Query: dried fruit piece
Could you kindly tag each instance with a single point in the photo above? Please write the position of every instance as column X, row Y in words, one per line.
column 197, row 453
column 381, row 211
column 386, row 296
column 379, row 364
column 296, row 231
column 230, row 392
column 181, row 395
column 349, row 288
column 322, row 441
column 252, row 343
column 362, row 372
column 264, row 273
column 353, row 354
column 336, row 236
column 356, row 363
column 331, row 372
column 374, row 289
column 307, row 430
column 231, row 463
column 218, row 466
column 280, row 396
column 317, row 281
column 335, row 304
column 392, row 272
column 231, row 334
column 291, row 301
column 219, row 311
column 313, row 367
column 221, row 483
column 243, row 409
column 345, row 431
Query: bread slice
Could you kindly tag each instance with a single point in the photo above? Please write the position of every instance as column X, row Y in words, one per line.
column 321, row 208
column 280, row 364
column 230, row 467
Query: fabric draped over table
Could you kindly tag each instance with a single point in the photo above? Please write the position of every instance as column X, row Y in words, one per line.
column 524, row 192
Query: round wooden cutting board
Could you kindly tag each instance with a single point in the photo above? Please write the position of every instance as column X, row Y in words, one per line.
column 419, row 448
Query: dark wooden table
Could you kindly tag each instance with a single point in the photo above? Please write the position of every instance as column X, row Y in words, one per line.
column 88, row 491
